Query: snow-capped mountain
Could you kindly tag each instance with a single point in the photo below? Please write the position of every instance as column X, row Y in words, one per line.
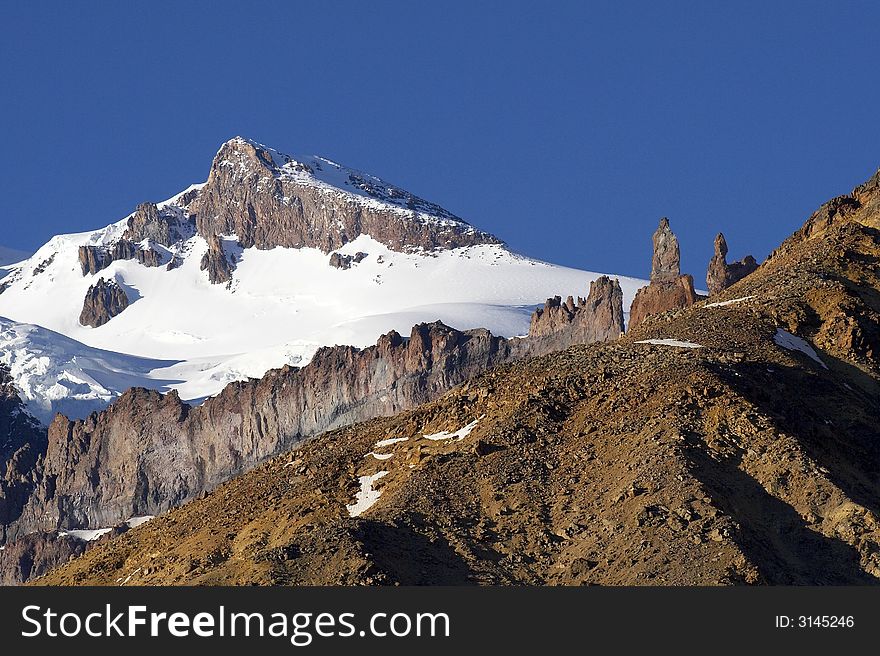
column 269, row 259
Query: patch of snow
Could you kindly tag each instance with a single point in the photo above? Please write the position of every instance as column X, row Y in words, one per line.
column 86, row 535
column 390, row 441
column 379, row 456
column 730, row 302
column 134, row 522
column 670, row 342
column 460, row 434
column 366, row 496
column 794, row 343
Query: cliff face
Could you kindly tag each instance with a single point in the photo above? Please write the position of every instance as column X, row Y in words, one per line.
column 268, row 200
column 149, row 452
column 216, row 262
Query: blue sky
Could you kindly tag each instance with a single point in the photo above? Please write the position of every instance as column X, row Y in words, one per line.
column 567, row 129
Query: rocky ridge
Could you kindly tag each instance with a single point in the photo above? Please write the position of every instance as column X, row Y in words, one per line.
column 743, row 452
column 165, row 452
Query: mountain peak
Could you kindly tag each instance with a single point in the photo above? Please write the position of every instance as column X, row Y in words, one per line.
column 268, row 198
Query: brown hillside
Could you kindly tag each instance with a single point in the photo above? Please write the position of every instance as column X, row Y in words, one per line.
column 625, row 463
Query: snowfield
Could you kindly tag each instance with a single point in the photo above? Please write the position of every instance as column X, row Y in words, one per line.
column 182, row 332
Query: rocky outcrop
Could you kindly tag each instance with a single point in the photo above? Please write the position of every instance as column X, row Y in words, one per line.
column 341, row 261
column 148, row 223
column 148, row 452
column 93, row 259
column 722, row 275
column 35, row 554
column 669, row 289
column 665, row 262
column 657, row 298
column 598, row 318
column 104, row 300
column 267, row 202
column 216, row 262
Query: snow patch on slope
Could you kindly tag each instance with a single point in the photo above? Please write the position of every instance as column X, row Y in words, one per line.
column 794, row 343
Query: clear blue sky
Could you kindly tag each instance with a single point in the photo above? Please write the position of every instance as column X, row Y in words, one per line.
column 567, row 129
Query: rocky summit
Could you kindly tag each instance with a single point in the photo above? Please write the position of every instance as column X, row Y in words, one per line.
column 268, row 199
column 730, row 441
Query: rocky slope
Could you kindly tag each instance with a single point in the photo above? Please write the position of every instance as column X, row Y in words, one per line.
column 149, row 452
column 732, row 441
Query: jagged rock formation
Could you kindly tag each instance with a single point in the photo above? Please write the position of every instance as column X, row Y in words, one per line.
column 165, row 226
column 340, row 261
column 216, row 262
column 104, row 300
column 742, row 461
column 147, row 226
column 668, row 290
column 267, row 199
column 665, row 262
column 93, row 259
column 165, row 452
column 598, row 318
column 722, row 275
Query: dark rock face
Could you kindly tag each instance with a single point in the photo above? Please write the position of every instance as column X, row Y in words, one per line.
column 35, row 554
column 148, row 223
column 668, row 290
column 598, row 318
column 104, row 300
column 216, row 262
column 164, row 452
column 722, row 275
column 341, row 261
column 22, row 440
column 248, row 195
